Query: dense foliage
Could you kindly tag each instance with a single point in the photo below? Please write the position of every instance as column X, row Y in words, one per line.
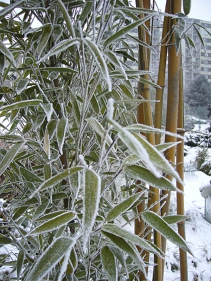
column 71, row 156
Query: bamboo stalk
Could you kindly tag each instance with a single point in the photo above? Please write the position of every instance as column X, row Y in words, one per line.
column 180, row 170
column 172, row 107
column 144, row 116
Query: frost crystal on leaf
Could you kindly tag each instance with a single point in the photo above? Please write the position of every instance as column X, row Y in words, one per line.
column 110, row 108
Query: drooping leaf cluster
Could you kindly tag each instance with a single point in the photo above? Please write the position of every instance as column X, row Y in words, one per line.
column 72, row 169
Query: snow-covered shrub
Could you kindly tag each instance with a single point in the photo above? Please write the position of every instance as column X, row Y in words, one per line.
column 72, row 132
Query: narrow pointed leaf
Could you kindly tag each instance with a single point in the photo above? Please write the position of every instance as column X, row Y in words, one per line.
column 44, row 38
column 21, row 104
column 6, row 52
column 2, row 63
column 67, row 18
column 130, row 237
column 57, row 178
column 51, row 256
column 122, row 207
column 54, row 223
column 157, row 158
column 61, row 133
column 114, row 60
column 13, row 138
column 98, row 57
column 9, row 9
column 92, row 186
column 29, row 176
column 51, row 215
column 140, row 173
column 127, row 248
column 20, row 261
column 157, row 223
column 5, row 240
column 75, row 108
column 86, row 10
column 22, row 84
column 60, row 47
column 41, row 209
column 51, row 127
column 109, row 263
column 48, row 109
column 8, row 158
column 174, row 218
column 186, row 6
column 57, row 69
column 199, row 35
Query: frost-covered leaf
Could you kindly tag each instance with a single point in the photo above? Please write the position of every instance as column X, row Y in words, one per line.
column 2, row 63
column 92, row 187
column 19, row 212
column 135, row 146
column 41, row 209
column 75, row 108
column 48, row 109
column 158, row 223
column 47, row 171
column 122, row 207
column 20, row 262
column 44, row 38
column 51, row 215
column 57, row 69
column 53, row 223
column 46, row 144
column 186, row 6
column 174, row 218
column 98, row 128
column 57, row 178
column 51, row 256
column 86, row 10
column 27, row 127
column 127, row 248
column 8, row 158
column 6, row 51
column 22, row 85
column 130, row 237
column 140, row 173
column 109, row 263
column 4, row 12
column 158, row 158
column 29, row 176
column 61, row 133
column 98, row 57
column 21, row 104
column 51, row 127
column 67, row 18
column 114, row 60
column 5, row 240
column 13, row 138
column 164, row 146
column 60, row 47
column 130, row 160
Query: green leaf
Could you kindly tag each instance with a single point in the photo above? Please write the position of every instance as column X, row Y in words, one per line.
column 2, row 63
column 158, row 159
column 48, row 109
column 75, row 108
column 57, row 69
column 186, row 6
column 86, row 10
column 20, row 262
column 114, row 60
column 41, row 209
column 174, row 218
column 164, row 146
column 51, row 256
column 122, row 207
column 51, row 127
column 44, row 39
column 67, row 18
column 12, row 138
column 122, row 32
column 158, row 223
column 51, row 215
column 21, row 104
column 19, row 212
column 60, row 47
column 8, row 158
column 92, row 187
column 199, row 35
column 22, row 85
column 27, row 127
column 98, row 128
column 61, row 133
column 57, row 178
column 127, row 248
column 5, row 240
column 5, row 50
column 109, row 263
column 29, row 176
column 47, row 171
column 140, row 173
column 53, row 223
column 99, row 60
column 9, row 9
column 130, row 237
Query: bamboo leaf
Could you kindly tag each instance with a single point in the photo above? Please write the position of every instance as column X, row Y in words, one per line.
column 21, row 86
column 114, row 60
column 122, row 32
column 51, row 256
column 20, row 262
column 130, row 237
column 140, row 173
column 75, row 108
column 57, row 69
column 48, row 109
column 57, row 178
column 9, row 9
column 127, row 248
column 86, row 10
column 44, row 38
column 27, row 127
column 61, row 133
column 5, row 240
column 92, row 186
column 109, row 263
column 174, row 218
column 122, row 207
column 60, row 47
column 51, row 127
column 29, row 176
column 41, row 209
column 54, row 223
column 9, row 157
column 5, row 51
column 67, row 18
column 20, row 104
column 12, row 138
column 2, row 63
column 199, row 35
column 157, row 223
column 186, row 6
column 50, row 216
column 98, row 57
